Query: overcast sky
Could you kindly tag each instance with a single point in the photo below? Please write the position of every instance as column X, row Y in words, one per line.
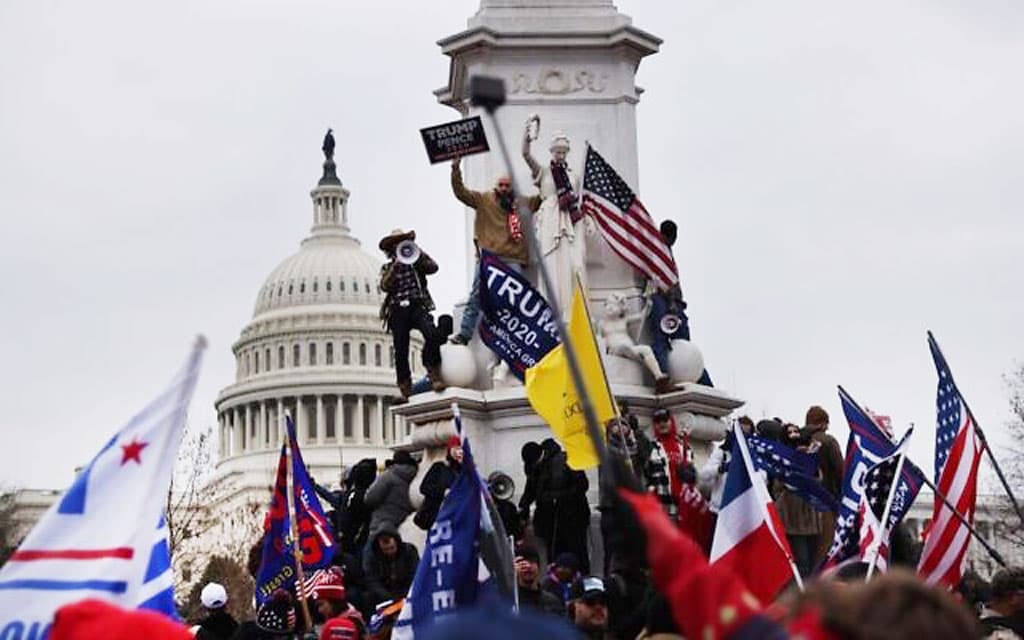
column 844, row 176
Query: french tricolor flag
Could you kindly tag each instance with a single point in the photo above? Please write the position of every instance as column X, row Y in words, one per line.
column 749, row 538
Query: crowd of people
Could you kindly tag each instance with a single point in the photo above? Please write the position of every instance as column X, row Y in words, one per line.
column 653, row 580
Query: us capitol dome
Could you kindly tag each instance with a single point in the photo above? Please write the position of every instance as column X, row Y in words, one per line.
column 315, row 348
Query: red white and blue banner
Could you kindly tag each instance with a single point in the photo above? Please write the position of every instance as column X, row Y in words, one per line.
column 516, row 322
column 106, row 537
column 958, row 449
column 316, row 542
column 876, row 504
column 867, row 446
column 749, row 538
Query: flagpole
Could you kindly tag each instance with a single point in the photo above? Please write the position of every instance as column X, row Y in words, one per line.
column 515, row 580
column 981, row 434
column 300, row 587
column 769, row 521
column 888, row 507
column 931, row 485
column 597, row 347
column 589, row 415
column 963, row 520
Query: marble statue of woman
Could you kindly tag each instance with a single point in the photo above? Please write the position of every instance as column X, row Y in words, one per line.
column 560, row 236
column 618, row 341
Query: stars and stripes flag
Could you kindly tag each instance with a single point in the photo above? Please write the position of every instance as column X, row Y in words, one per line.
column 798, row 470
column 867, row 445
column 878, row 486
column 958, row 451
column 624, row 222
column 106, row 537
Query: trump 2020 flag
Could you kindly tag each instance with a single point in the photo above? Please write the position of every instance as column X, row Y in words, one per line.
column 277, row 562
column 749, row 538
column 106, row 537
column 450, row 573
column 516, row 321
column 316, row 541
column 867, row 446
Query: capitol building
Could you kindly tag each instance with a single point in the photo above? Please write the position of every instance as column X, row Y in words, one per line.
column 314, row 349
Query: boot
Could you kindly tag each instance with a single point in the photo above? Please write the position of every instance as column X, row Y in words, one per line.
column 436, row 382
column 663, row 385
column 405, row 388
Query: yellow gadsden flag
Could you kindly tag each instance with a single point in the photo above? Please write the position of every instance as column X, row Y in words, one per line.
column 553, row 396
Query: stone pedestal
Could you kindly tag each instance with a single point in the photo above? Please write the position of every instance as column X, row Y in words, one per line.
column 500, row 421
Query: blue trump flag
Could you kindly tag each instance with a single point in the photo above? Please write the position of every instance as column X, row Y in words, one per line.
column 516, row 322
column 798, row 470
column 451, row 575
column 316, row 542
column 867, row 446
column 277, row 562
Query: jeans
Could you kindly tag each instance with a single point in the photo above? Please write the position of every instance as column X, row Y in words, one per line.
column 660, row 306
column 403, row 321
column 471, row 314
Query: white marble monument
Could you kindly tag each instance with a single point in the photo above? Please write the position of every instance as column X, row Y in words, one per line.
column 572, row 62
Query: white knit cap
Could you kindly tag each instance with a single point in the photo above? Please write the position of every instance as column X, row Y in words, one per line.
column 214, row 596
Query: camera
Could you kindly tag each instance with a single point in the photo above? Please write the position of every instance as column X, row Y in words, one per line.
column 487, row 92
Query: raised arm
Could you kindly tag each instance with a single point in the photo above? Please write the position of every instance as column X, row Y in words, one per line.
column 465, row 196
column 530, row 160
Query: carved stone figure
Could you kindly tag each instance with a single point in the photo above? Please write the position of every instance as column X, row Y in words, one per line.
column 615, row 331
column 555, row 222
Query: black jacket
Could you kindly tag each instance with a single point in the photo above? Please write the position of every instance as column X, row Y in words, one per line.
column 439, row 479
column 540, row 600
column 219, row 625
column 388, row 578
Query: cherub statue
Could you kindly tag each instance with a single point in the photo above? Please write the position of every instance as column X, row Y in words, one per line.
column 615, row 331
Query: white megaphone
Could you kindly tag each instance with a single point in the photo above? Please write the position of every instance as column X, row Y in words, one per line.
column 407, row 252
column 670, row 323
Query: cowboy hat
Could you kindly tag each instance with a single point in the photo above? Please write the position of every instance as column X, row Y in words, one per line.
column 389, row 241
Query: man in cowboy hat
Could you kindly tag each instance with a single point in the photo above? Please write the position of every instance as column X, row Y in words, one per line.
column 407, row 306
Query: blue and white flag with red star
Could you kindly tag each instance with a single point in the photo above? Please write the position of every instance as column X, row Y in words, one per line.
column 106, row 537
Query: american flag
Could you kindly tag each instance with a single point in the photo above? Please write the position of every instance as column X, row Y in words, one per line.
column 877, row 487
column 798, row 470
column 958, row 451
column 624, row 222
column 867, row 445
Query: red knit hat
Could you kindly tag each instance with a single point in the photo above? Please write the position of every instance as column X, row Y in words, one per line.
column 330, row 586
column 98, row 619
column 453, row 441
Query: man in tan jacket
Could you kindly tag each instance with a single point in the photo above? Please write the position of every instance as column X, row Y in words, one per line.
column 496, row 228
column 831, row 463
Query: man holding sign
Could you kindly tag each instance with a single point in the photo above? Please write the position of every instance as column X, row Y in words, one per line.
column 497, row 229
